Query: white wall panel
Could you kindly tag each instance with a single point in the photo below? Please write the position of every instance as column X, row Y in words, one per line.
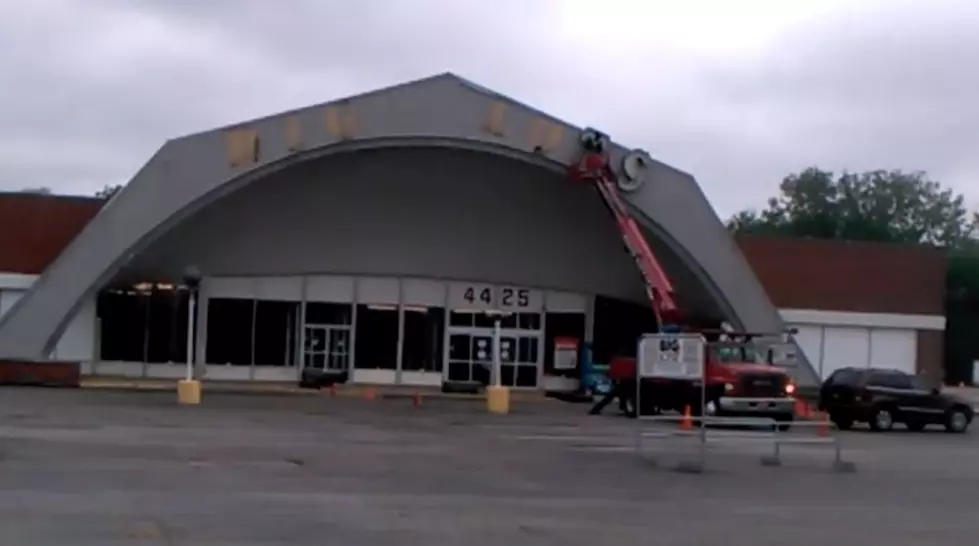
column 845, row 347
column 330, row 289
column 894, row 348
column 565, row 302
column 8, row 298
column 279, row 288
column 78, row 340
column 229, row 287
column 381, row 290
column 810, row 340
column 424, row 292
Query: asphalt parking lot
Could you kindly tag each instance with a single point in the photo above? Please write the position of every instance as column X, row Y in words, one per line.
column 88, row 467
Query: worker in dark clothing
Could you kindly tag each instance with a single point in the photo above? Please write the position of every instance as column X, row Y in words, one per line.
column 619, row 389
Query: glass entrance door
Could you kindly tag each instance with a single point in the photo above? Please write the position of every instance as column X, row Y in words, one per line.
column 327, row 347
column 470, row 358
column 519, row 360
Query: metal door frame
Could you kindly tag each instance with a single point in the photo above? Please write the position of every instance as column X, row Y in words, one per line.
column 328, row 351
column 488, row 332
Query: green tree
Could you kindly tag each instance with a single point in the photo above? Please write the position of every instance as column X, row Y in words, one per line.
column 887, row 206
column 878, row 205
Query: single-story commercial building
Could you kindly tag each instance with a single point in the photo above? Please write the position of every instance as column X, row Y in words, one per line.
column 370, row 234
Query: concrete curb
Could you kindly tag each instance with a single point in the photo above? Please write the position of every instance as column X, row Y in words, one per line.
column 345, row 391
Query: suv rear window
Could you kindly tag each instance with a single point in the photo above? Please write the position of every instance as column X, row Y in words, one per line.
column 845, row 377
column 891, row 380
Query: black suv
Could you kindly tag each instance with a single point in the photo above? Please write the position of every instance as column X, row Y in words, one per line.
column 881, row 398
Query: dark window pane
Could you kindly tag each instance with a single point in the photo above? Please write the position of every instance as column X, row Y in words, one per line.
column 275, row 332
column 423, row 333
column 508, row 373
column 526, row 376
column 529, row 321
column 229, row 331
column 457, row 318
column 482, row 320
column 377, row 338
column 459, row 371
column 527, row 349
column 328, row 313
column 460, row 346
column 123, row 320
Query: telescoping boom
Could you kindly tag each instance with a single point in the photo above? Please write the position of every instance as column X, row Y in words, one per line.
column 593, row 167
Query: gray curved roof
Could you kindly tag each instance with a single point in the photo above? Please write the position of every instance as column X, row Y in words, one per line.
column 443, row 110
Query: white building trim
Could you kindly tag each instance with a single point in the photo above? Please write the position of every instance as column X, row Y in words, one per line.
column 863, row 320
column 16, row 281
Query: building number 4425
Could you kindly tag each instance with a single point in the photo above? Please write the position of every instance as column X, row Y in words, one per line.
column 509, row 297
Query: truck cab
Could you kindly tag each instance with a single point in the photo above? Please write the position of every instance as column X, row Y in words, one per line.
column 742, row 380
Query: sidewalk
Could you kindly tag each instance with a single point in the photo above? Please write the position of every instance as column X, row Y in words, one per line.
column 240, row 387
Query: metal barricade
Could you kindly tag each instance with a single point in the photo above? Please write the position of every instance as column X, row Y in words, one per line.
column 831, row 438
column 764, row 432
column 682, row 356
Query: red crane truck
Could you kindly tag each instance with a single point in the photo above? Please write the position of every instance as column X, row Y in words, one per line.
column 740, row 375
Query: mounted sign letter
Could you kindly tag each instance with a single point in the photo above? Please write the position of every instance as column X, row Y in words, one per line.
column 635, row 170
column 545, row 135
column 494, row 119
column 294, row 134
column 340, row 123
column 243, row 147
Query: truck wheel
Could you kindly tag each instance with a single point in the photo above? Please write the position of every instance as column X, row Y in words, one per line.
column 628, row 406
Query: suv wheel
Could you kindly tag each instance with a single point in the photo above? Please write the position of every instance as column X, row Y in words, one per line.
column 882, row 419
column 956, row 420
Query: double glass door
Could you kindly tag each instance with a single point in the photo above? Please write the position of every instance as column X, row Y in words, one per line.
column 470, row 357
column 327, row 347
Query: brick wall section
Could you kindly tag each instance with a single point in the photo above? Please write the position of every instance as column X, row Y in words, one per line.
column 931, row 354
column 41, row 374
column 855, row 276
column 849, row 276
column 35, row 228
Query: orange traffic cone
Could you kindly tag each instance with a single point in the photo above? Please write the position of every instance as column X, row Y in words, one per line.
column 823, row 428
column 687, row 422
column 416, row 399
column 369, row 393
column 801, row 408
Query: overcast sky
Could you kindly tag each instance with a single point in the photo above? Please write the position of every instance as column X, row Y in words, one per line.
column 739, row 93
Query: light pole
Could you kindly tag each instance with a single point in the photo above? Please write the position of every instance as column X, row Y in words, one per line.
column 189, row 389
column 497, row 396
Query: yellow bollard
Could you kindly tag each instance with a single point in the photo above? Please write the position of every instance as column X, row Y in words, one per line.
column 498, row 400
column 188, row 392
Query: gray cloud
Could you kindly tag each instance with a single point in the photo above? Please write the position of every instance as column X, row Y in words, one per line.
column 94, row 87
